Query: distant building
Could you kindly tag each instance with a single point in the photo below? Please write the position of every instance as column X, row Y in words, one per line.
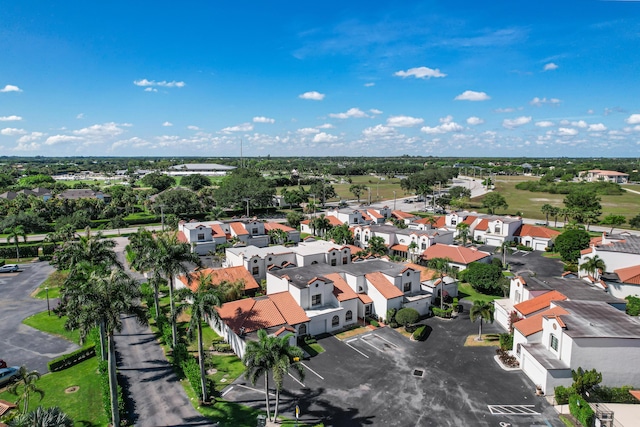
column 84, row 193
column 209, row 169
column 43, row 193
column 602, row 175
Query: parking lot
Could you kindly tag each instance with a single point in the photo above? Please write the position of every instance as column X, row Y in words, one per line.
column 21, row 344
column 382, row 378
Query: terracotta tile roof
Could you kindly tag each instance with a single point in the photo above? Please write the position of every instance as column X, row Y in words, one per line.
column 292, row 312
column 277, row 226
column 366, row 299
column 635, row 393
column 283, row 330
column 341, row 288
column 483, row 224
column 425, row 273
column 353, row 248
column 539, row 303
column 457, row 254
column 383, row 285
column 400, row 248
column 365, row 216
column 305, row 221
column 536, row 231
column 181, row 237
column 469, row 219
column 217, row 230
column 533, row 324
column 586, row 251
column 238, row 229
column 228, row 274
column 402, row 215
column 629, row 274
column 374, row 214
column 334, row 221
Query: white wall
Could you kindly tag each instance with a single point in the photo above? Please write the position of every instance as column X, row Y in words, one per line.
column 622, row 290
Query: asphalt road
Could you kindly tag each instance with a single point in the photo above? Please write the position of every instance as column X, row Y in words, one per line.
column 19, row 343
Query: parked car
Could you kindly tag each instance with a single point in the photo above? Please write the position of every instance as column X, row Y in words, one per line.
column 8, row 375
column 9, row 268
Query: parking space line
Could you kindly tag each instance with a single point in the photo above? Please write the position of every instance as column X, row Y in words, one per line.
column 296, row 380
column 383, row 338
column 226, row 391
column 353, row 348
column 312, row 371
column 368, row 343
column 254, row 389
column 512, row 410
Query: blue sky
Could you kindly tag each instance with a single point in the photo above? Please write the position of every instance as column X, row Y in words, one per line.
column 456, row 78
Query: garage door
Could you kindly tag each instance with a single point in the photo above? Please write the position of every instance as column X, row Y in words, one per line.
column 540, row 246
column 493, row 241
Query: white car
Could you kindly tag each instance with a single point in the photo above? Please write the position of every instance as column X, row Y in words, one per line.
column 9, row 268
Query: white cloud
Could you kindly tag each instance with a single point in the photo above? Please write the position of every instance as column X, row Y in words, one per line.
column 378, row 131
column 545, row 124
column 505, row 110
column 350, row 113
column 567, row 132
column 538, row 102
column 369, row 84
column 580, row 124
column 420, row 73
column 447, row 125
column 550, row 67
column 598, row 127
column 244, row 127
column 11, row 88
column 23, row 146
column 308, row 131
column 80, row 116
column 590, row 111
column 163, row 83
column 262, row 119
column 32, row 137
column 325, row 126
column 473, row 121
column 324, row 137
column 57, row 139
column 375, row 111
column 470, row 95
column 10, row 118
column 313, row 95
column 105, row 130
column 150, row 89
column 12, row 132
column 404, row 121
column 517, row 122
column 193, row 127
column 633, row 119
column 167, row 124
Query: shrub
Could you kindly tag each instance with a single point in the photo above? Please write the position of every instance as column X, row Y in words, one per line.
column 633, row 305
column 407, row 316
column 223, row 348
column 191, row 370
column 506, row 341
column 373, row 322
column 103, row 369
column 562, row 394
column 446, row 313
column 70, row 359
column 507, row 359
column 580, row 409
column 420, row 334
column 2, row 262
column 614, row 394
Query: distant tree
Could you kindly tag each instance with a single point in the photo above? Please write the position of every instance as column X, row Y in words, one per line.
column 277, row 236
column 613, row 220
column 33, row 181
column 158, row 181
column 582, row 201
column 407, row 316
column 294, row 218
column 546, row 211
column 459, row 192
column 463, row 232
column 195, row 181
column 484, row 277
column 493, row 201
column 357, row 190
column 554, row 212
column 635, row 221
column 323, row 191
column 593, row 265
column 177, row 201
column 377, row 246
column 14, row 233
column 294, row 197
column 241, row 184
column 341, row 234
column 570, row 243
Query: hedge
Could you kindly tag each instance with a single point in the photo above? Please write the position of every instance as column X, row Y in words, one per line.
column 580, row 409
column 562, row 394
column 442, row 313
column 70, row 359
column 26, row 250
column 420, row 334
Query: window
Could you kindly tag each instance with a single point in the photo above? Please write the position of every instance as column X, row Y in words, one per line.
column 316, row 299
column 302, row 329
column 554, row 342
column 255, row 271
column 344, row 259
column 333, row 262
column 423, row 246
column 367, row 309
column 518, row 349
column 497, row 229
column 200, row 236
column 407, row 286
column 357, row 237
column 366, row 238
column 335, row 321
column 453, row 221
column 254, row 230
column 348, row 316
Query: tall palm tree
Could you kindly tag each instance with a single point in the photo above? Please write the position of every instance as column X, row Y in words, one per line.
column 554, row 212
column 443, row 267
column 203, row 302
column 140, row 253
column 25, row 386
column 102, row 299
column 463, row 232
column 259, row 358
column 546, row 210
column 482, row 310
column 594, row 265
column 14, row 233
column 412, row 248
column 286, row 356
column 42, row 417
column 277, row 236
column 93, row 249
column 172, row 258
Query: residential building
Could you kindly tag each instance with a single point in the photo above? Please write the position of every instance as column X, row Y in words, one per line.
column 604, row 175
column 220, row 275
column 399, row 239
column 42, row 193
column 459, row 256
column 84, row 193
column 535, row 237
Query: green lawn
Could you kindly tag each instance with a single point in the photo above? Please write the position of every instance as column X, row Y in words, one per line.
column 53, row 325
column 466, row 291
column 83, row 406
column 54, row 283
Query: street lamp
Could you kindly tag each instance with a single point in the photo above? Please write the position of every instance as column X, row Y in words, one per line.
column 246, row 199
column 46, row 289
column 394, row 200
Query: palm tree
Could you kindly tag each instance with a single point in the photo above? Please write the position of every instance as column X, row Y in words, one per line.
column 259, row 358
column 505, row 248
column 203, row 302
column 463, row 232
column 482, row 310
column 443, row 267
column 594, row 265
column 25, row 386
column 102, row 299
column 413, row 246
column 171, row 258
column 93, row 249
column 285, row 354
column 554, row 212
column 14, row 233
column 377, row 246
column 321, row 224
column 278, row 236
column 546, row 210
column 140, row 253
column 42, row 417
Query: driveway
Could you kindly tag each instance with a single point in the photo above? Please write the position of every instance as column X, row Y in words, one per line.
column 382, row 378
column 21, row 344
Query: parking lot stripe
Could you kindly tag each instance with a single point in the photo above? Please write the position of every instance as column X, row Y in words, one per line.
column 368, row 343
column 254, row 389
column 512, row 410
column 352, row 347
column 296, row 380
column 383, row 338
column 226, row 391
column 311, row 370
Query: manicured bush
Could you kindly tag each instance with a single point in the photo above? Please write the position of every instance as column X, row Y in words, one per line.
column 580, row 409
column 446, row 313
column 633, row 305
column 223, row 348
column 373, row 322
column 562, row 394
column 420, row 334
column 506, row 341
column 70, row 359
column 407, row 316
column 103, row 369
column 191, row 371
